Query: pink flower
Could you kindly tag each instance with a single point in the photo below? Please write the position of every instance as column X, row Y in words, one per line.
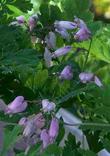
column 61, row 51
column 54, row 128
column 66, row 73
column 16, row 106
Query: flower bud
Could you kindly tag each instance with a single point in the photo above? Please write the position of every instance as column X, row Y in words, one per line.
column 20, row 19
column 67, row 73
column 47, row 106
column 16, row 106
column 45, row 138
column 32, row 22
column 51, row 40
column 61, row 51
column 54, row 128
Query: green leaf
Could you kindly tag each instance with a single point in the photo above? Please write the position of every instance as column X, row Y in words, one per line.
column 16, row 11
column 37, row 80
column 77, row 8
column 52, row 150
column 10, row 138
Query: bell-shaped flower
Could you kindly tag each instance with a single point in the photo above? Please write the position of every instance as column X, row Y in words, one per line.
column 65, row 25
column 82, row 34
column 54, row 128
column 20, row 19
column 61, row 51
column 16, row 106
column 51, row 40
column 45, row 138
column 66, row 73
column 48, row 57
column 47, row 106
column 90, row 77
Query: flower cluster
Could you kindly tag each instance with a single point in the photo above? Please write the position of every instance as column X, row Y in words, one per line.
column 34, row 126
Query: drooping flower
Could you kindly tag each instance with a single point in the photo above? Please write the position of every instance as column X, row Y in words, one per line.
column 51, row 40
column 65, row 25
column 66, row 73
column 20, row 19
column 16, row 106
column 45, row 138
column 61, row 51
column 47, row 106
column 83, row 33
column 90, row 77
column 54, row 128
column 48, row 57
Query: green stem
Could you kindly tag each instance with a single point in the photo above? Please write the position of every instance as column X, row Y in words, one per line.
column 87, row 56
